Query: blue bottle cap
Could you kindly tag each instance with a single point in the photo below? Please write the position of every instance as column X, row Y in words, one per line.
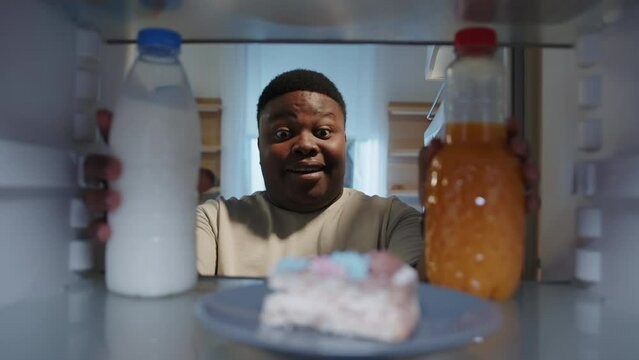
column 159, row 37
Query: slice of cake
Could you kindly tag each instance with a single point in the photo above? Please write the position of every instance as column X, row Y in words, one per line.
column 372, row 296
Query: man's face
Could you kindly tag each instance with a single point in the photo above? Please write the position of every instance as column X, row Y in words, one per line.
column 302, row 146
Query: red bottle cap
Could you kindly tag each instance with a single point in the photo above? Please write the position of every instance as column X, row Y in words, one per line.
column 475, row 40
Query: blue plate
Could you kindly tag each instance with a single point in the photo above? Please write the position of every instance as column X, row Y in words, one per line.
column 449, row 318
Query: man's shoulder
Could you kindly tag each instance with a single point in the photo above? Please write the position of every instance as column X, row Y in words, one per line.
column 256, row 197
column 357, row 198
column 246, row 203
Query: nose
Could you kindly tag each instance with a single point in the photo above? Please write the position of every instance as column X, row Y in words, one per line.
column 305, row 145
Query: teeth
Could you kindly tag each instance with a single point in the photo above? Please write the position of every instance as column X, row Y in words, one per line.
column 305, row 169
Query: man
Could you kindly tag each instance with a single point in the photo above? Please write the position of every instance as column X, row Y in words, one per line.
column 305, row 209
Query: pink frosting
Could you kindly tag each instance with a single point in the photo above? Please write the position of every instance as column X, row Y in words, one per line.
column 384, row 264
column 325, row 266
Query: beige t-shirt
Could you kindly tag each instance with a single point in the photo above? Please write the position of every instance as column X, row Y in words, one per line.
column 247, row 236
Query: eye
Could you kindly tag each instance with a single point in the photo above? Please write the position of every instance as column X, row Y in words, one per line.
column 282, row 134
column 323, row 133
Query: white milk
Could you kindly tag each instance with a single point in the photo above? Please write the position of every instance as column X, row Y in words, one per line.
column 151, row 251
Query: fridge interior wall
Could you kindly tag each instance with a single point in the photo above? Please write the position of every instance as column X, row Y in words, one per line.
column 590, row 162
column 38, row 65
column 38, row 177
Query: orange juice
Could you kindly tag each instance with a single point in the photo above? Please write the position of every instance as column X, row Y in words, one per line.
column 474, row 226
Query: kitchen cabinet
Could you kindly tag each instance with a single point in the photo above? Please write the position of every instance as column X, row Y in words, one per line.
column 406, row 125
column 210, row 111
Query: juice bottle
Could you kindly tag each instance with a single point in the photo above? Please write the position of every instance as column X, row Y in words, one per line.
column 474, row 228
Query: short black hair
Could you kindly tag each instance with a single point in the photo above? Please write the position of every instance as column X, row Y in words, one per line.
column 299, row 80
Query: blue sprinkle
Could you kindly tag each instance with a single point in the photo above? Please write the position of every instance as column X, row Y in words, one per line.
column 356, row 264
column 292, row 264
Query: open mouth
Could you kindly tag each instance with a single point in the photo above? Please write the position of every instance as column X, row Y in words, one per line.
column 305, row 169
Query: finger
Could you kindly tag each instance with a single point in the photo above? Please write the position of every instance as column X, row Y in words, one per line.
column 104, row 118
column 531, row 175
column 533, row 202
column 511, row 127
column 102, row 167
column 101, row 200
column 99, row 230
column 520, row 147
column 426, row 155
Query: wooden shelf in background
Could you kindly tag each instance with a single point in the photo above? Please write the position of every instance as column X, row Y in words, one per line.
column 209, row 104
column 406, row 126
column 211, row 149
column 210, row 113
column 410, row 108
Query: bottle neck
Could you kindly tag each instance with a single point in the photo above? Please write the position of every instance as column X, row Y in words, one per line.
column 473, row 51
column 476, row 90
column 158, row 55
column 476, row 133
